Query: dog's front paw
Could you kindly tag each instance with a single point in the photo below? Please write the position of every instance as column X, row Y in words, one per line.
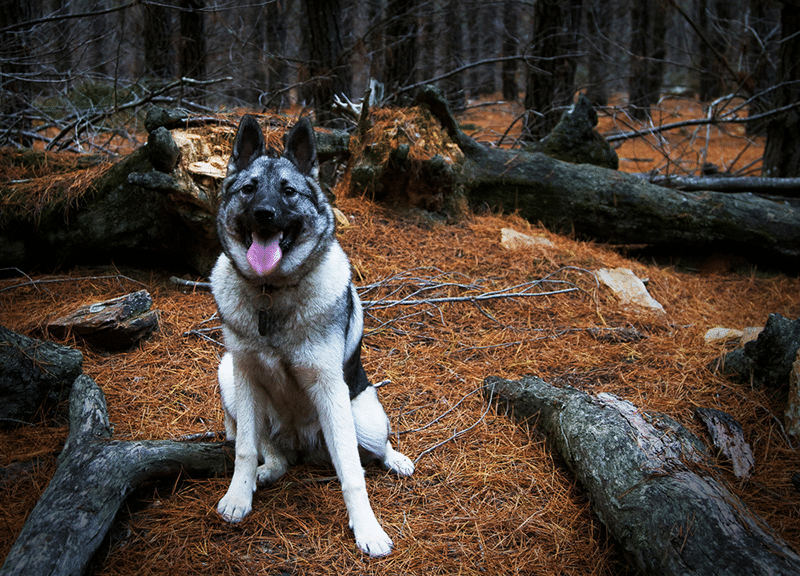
column 398, row 463
column 234, row 509
column 373, row 540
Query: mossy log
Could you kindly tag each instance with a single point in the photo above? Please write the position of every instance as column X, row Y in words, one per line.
column 93, row 478
column 649, row 482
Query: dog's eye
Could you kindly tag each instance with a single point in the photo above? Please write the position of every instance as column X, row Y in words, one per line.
column 289, row 192
column 248, row 189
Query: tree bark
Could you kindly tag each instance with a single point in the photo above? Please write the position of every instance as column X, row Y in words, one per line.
column 401, row 40
column 781, row 153
column 276, row 33
column 551, row 79
column 157, row 42
column 645, row 476
column 510, row 46
column 93, row 478
column 15, row 73
column 453, row 53
column 648, row 29
column 619, row 208
column 329, row 74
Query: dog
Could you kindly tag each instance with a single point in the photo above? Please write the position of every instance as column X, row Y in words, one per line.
column 292, row 383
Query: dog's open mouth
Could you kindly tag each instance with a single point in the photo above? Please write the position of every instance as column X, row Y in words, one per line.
column 267, row 248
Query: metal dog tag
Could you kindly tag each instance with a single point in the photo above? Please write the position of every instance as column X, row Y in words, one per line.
column 266, row 304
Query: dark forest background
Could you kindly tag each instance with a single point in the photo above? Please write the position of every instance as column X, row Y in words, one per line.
column 67, row 64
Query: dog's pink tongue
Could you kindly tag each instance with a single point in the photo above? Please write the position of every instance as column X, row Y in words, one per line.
column 264, row 254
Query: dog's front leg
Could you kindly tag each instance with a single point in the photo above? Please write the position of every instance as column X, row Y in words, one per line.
column 329, row 394
column 238, row 501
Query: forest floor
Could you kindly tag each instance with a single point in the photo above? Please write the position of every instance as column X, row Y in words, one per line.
column 487, row 496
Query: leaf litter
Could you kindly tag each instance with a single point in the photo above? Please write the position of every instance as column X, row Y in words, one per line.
column 446, row 306
column 487, row 495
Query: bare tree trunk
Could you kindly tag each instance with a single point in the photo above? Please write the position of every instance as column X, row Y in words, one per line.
column 760, row 44
column 401, row 39
column 158, row 52
column 453, row 86
column 714, row 21
column 376, row 41
column 277, row 71
column 192, row 56
column 551, row 79
column 482, row 30
column 15, row 70
column 510, row 47
column 328, row 73
column 648, row 29
column 598, row 18
column 781, row 153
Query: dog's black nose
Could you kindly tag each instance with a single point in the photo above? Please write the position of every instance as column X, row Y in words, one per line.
column 264, row 215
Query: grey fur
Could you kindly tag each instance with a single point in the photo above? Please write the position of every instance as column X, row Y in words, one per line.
column 297, row 391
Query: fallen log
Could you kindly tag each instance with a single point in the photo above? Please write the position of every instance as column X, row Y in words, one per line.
column 143, row 208
column 618, row 208
column 648, row 481
column 93, row 478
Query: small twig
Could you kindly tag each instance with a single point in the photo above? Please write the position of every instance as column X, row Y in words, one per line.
column 68, row 279
column 442, row 415
column 197, row 285
column 456, row 435
column 210, row 435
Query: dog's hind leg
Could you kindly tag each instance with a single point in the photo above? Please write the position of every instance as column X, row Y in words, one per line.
column 274, row 463
column 372, row 430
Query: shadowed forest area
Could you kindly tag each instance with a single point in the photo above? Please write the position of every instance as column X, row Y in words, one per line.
column 704, row 90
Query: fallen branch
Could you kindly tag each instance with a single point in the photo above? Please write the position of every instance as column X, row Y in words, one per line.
column 757, row 185
column 93, row 478
column 649, row 483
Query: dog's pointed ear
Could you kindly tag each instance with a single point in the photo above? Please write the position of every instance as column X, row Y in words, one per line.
column 301, row 147
column 248, row 146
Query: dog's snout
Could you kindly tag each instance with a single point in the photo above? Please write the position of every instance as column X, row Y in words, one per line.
column 264, row 215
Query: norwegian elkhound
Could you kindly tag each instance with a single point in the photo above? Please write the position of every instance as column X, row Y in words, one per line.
column 292, row 383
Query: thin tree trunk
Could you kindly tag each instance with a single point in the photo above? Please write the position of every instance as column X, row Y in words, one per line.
column 157, row 42
column 277, row 71
column 714, row 21
column 551, row 79
column 782, row 153
column 328, row 74
column 598, row 18
column 648, row 29
column 401, row 39
column 16, row 68
column 454, row 53
column 192, row 58
column 510, row 46
column 760, row 43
